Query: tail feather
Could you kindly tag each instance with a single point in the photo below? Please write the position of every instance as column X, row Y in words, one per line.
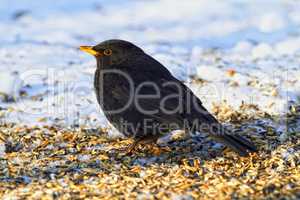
column 236, row 142
column 217, row 131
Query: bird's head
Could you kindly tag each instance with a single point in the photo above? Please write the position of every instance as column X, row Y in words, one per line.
column 112, row 51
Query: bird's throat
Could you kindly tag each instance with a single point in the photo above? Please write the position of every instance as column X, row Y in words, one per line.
column 104, row 62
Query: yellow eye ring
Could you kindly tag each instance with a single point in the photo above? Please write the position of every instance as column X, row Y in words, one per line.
column 107, row 52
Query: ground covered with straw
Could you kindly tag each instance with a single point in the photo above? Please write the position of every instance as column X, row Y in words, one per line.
column 52, row 162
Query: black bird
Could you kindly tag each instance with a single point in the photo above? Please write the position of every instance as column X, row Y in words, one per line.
column 143, row 100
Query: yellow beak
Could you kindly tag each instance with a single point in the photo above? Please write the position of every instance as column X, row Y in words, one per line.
column 90, row 50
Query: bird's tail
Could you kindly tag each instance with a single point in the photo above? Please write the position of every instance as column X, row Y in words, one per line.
column 220, row 133
column 236, row 142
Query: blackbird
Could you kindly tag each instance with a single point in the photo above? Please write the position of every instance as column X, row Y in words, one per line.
column 143, row 100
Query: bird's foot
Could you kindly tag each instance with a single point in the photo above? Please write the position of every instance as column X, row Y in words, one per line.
column 227, row 151
column 157, row 150
column 149, row 145
column 129, row 149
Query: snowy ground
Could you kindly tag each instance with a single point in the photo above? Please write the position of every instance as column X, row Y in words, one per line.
column 245, row 51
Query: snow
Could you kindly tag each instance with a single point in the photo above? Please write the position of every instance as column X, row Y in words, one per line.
column 262, row 50
column 242, row 48
column 10, row 87
column 289, row 46
column 40, row 40
column 2, row 149
column 271, row 22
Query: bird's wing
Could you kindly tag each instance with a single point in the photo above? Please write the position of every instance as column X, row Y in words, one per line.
column 174, row 100
column 146, row 107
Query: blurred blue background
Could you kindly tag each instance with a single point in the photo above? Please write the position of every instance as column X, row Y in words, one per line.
column 202, row 22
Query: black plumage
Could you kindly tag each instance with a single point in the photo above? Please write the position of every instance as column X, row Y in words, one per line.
column 143, row 100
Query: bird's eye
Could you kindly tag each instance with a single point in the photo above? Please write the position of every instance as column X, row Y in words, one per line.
column 107, row 52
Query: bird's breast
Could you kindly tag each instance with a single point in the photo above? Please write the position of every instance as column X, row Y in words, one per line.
column 112, row 89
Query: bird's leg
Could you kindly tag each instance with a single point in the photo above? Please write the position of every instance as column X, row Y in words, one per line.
column 155, row 149
column 130, row 148
column 145, row 141
column 149, row 140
